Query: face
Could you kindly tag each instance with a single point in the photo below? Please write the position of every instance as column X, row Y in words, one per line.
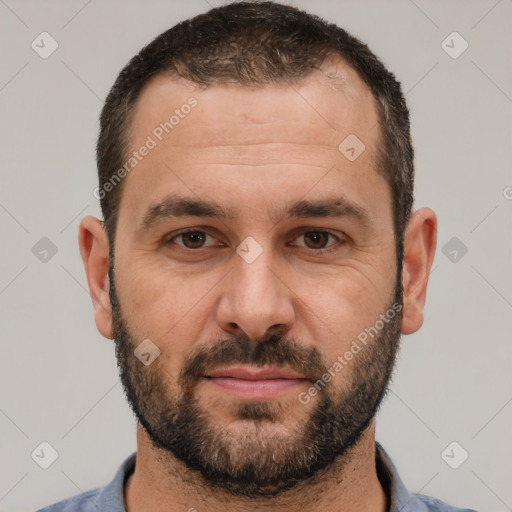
column 246, row 240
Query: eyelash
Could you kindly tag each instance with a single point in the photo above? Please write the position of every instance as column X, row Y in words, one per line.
column 337, row 239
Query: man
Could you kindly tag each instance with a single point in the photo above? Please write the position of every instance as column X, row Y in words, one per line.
column 257, row 262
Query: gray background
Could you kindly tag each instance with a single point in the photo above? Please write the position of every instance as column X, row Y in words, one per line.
column 59, row 379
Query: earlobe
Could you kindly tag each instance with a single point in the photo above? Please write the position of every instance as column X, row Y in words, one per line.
column 419, row 250
column 94, row 249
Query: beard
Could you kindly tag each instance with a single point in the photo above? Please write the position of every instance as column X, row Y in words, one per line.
column 262, row 458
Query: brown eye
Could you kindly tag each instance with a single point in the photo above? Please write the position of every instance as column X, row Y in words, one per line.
column 316, row 239
column 191, row 239
column 194, row 239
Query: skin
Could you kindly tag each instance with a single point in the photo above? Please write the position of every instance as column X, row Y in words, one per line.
column 256, row 151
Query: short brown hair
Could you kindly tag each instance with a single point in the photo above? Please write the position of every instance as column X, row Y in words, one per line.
column 258, row 43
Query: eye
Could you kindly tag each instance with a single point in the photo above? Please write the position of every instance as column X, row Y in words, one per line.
column 318, row 239
column 192, row 239
column 196, row 239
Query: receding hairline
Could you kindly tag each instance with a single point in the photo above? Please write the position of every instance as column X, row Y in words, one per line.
column 335, row 67
column 341, row 76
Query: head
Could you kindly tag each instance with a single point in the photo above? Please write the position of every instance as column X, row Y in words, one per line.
column 256, row 182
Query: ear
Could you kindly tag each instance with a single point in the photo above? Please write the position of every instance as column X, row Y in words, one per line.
column 93, row 242
column 419, row 249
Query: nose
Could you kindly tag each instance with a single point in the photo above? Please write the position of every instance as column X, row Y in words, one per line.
column 255, row 299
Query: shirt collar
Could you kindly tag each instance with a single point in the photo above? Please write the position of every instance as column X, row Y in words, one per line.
column 111, row 496
column 400, row 499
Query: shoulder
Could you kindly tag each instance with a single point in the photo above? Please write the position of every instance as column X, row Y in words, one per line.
column 110, row 497
column 436, row 505
column 85, row 502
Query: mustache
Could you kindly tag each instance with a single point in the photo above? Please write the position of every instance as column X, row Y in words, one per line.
column 272, row 350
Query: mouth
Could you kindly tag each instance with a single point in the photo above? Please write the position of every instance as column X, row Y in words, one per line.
column 255, row 383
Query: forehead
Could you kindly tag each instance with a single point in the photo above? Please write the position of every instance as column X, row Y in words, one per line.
column 321, row 111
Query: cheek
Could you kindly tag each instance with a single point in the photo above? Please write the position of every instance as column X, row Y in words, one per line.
column 164, row 305
column 341, row 306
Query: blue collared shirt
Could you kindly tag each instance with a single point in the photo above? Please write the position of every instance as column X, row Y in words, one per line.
column 111, row 497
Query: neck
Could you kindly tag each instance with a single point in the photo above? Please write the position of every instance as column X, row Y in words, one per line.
column 163, row 483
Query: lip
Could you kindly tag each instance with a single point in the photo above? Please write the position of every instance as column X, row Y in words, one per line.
column 250, row 383
column 253, row 373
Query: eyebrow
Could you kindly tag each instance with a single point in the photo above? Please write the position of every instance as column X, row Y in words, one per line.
column 332, row 207
column 175, row 207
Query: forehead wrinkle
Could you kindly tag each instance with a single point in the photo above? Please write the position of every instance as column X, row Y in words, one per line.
column 258, row 155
